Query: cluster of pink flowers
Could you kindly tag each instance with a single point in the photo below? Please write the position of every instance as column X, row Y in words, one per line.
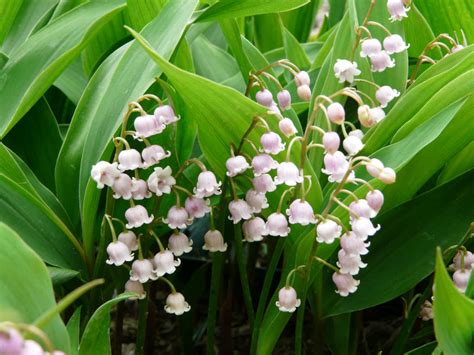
column 462, row 266
column 160, row 181
column 13, row 343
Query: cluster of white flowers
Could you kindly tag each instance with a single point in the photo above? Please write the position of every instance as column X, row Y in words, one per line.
column 13, row 343
column 160, row 181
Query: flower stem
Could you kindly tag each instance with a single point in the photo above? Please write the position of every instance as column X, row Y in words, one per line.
column 170, row 284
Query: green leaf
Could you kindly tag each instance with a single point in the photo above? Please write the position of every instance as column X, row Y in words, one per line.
column 300, row 21
column 59, row 276
column 72, row 81
column 453, row 313
column 461, row 163
column 230, row 9
column 418, row 33
column 35, row 65
column 294, row 51
column 401, row 253
column 96, row 337
column 141, row 12
column 99, row 112
column 9, row 10
column 263, row 25
column 27, row 291
column 426, row 349
column 73, row 328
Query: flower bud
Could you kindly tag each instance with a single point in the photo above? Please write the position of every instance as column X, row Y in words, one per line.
column 370, row 46
column 363, row 227
column 394, row 44
column 336, row 113
column 179, row 243
column 142, row 271
column 387, row 176
column 301, row 212
column 349, row 263
column 236, row 165
column 129, row 239
column 137, row 216
column 123, row 187
column 153, row 154
column 274, row 108
column 457, row 48
column 277, row 225
column 263, row 184
column 207, row 185
column 239, row 209
column 214, row 241
column 135, row 287
column 381, row 61
column 302, row 78
column 165, row 115
column 254, row 229
column 177, row 218
column 385, row 94
column 363, row 114
column 331, row 142
column 352, row 245
column 345, row 70
column 375, row 200
column 357, row 133
column 165, row 263
column 284, row 99
column 374, row 167
column 140, row 189
column 287, row 127
column 118, row 253
column 345, row 284
column 352, row 145
column 196, row 207
column 288, row 173
column 11, row 342
column 327, row 231
column 176, row 304
column 397, row 10
column 271, row 143
column 161, row 181
column 105, row 174
column 461, row 279
column 304, row 92
column 264, row 97
column 287, row 301
column 146, row 126
column 257, row 201
column 426, row 312
column 263, row 163
column 31, row 347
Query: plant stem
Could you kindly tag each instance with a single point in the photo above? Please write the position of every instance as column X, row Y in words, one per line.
column 141, row 331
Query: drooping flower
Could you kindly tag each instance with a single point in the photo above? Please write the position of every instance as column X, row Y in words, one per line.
column 461, row 279
column 165, row 263
column 287, row 299
column 304, row 92
column 160, row 181
column 327, row 231
column 468, row 260
column 146, row 126
column 394, row 44
column 142, row 271
column 381, row 61
column 137, row 216
column 353, row 245
column 352, row 144
column 370, row 46
column 263, row 164
column 11, row 342
column 387, row 176
column 263, row 183
column 105, row 174
column 179, row 243
column 207, row 185
column 123, row 187
column 397, row 10
column 277, row 225
column 118, row 253
column 176, row 304
column 239, row 209
column 301, row 212
column 135, row 287
column 289, row 174
column 129, row 239
column 346, row 70
column 236, row 165
column 140, row 189
column 287, row 127
column 254, row 229
column 284, row 99
column 361, row 208
column 256, row 200
column 177, row 218
column 336, row 113
column 374, row 167
column 426, row 312
column 214, row 241
column 375, row 200
column 165, row 115
column 271, row 143
column 196, row 207
column 336, row 166
column 349, row 263
column 264, row 97
column 31, row 347
column 153, row 155
column 129, row 159
column 345, row 284
column 385, row 94
column 302, row 78
column 331, row 142
column 363, row 227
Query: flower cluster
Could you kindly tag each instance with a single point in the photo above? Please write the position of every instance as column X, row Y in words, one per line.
column 13, row 343
column 462, row 266
column 152, row 180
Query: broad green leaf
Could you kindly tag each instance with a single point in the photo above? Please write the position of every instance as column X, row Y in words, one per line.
column 418, row 33
column 300, row 21
column 9, row 11
column 461, row 163
column 27, row 291
column 59, row 276
column 263, row 25
column 453, row 314
column 141, row 12
column 401, row 253
column 100, row 109
column 73, row 328
column 96, row 337
column 294, row 51
column 64, row 6
column 230, row 9
column 37, row 141
column 35, row 65
column 336, row 12
column 72, row 81
column 3, row 59
column 38, row 225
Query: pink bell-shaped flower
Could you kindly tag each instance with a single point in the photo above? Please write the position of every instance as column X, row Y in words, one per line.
column 177, row 218
column 129, row 239
column 271, row 143
column 256, row 200
column 301, row 212
column 349, row 263
column 11, row 342
column 381, row 61
column 468, row 260
column 352, row 245
column 140, row 189
column 135, row 287
column 331, row 142
column 160, row 181
column 176, row 304
column 352, row 145
column 394, row 44
column 214, row 241
column 375, row 200
column 179, row 243
column 461, row 279
column 142, row 271
column 289, row 174
column 328, row 231
column 137, row 216
column 369, row 47
column 119, row 253
column 263, row 164
column 335, row 166
column 207, row 185
column 196, row 206
column 254, row 229
column 345, row 70
column 287, row 127
column 277, row 225
column 385, row 94
column 123, row 187
column 263, row 183
column 264, row 97
column 287, row 300
column 345, row 284
column 387, row 176
column 302, row 78
column 397, row 10
column 363, row 227
column 236, row 165
column 361, row 208
column 165, row 263
column 153, row 155
column 129, row 159
column 239, row 209
column 105, row 174
column 336, row 113
column 284, row 99
column 165, row 115
column 146, row 126
column 304, row 92
column 374, row 167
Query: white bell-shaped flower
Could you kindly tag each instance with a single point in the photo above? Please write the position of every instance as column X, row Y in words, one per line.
column 146, row 126
column 179, row 243
column 336, row 166
column 140, row 189
column 165, row 115
column 369, row 47
column 254, row 229
column 165, row 263
column 153, row 155
column 118, row 253
column 388, row 176
column 263, row 163
column 129, row 239
column 394, row 44
column 328, row 231
column 160, row 181
column 397, row 10
column 271, row 143
column 214, row 241
column 361, row 208
column 304, row 92
column 352, row 145
column 301, row 212
column 196, row 207
column 277, row 225
column 135, row 287
column 385, row 94
column 129, row 159
column 288, row 174
column 374, row 167
column 177, row 217
column 123, row 187
column 236, row 165
column 142, row 271
column 461, row 279
column 105, row 174
column 287, row 127
column 346, row 70
column 284, row 99
column 137, row 216
column 349, row 263
column 353, row 245
column 468, row 260
column 239, row 210
column 264, row 97
column 287, row 299
column 176, row 304
column 381, row 61
column 375, row 200
column 331, row 142
column 336, row 113
column 263, row 183
column 363, row 227
column 207, row 185
column 31, row 347
column 345, row 284
column 256, row 200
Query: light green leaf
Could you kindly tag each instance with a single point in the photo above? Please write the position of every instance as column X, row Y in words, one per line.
column 35, row 65
column 73, row 328
column 300, row 21
column 418, row 33
column 72, row 81
column 26, row 288
column 461, row 163
column 141, row 12
column 294, row 51
column 263, row 25
column 9, row 11
column 453, row 314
